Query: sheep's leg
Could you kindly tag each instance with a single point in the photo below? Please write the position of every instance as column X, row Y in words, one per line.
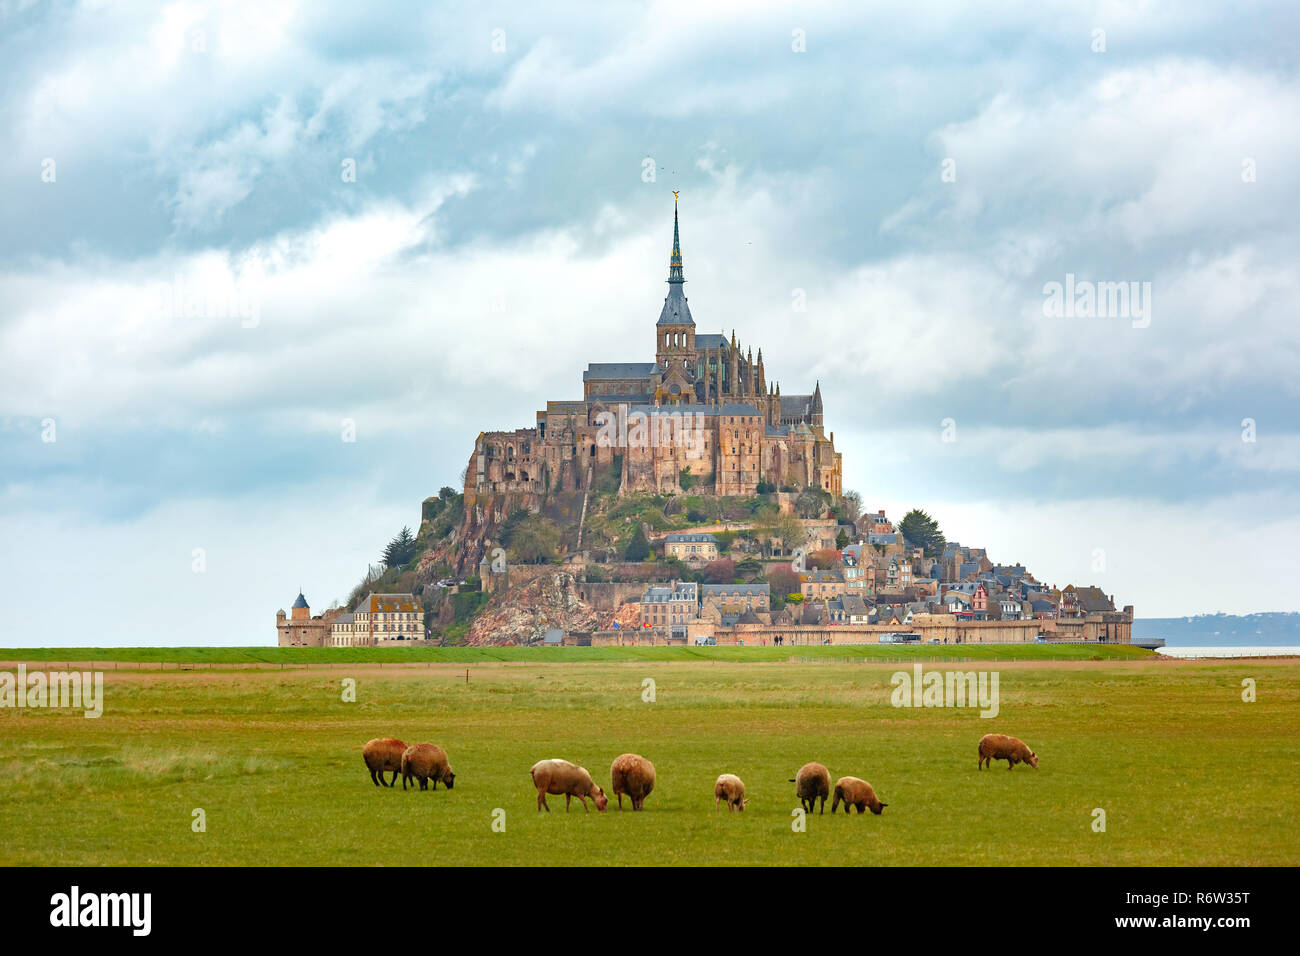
column 823, row 809
column 568, row 798
column 620, row 800
column 372, row 778
column 435, row 783
column 718, row 800
column 541, row 801
column 405, row 777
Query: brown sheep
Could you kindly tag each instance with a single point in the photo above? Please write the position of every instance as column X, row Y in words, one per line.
column 856, row 793
column 559, row 776
column 1001, row 747
column 634, row 775
column 732, row 789
column 812, row 781
column 383, row 754
column 425, row 762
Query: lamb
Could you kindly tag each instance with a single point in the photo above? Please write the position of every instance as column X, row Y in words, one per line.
column 856, row 793
column 559, row 776
column 383, row 754
column 732, row 789
column 634, row 775
column 1011, row 749
column 425, row 762
column 812, row 781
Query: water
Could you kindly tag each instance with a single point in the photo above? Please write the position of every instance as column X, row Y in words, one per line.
column 1236, row 650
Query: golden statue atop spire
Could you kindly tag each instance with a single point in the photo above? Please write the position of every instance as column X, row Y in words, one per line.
column 676, row 193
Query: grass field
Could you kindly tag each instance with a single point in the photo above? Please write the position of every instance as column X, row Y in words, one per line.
column 1186, row 772
column 305, row 656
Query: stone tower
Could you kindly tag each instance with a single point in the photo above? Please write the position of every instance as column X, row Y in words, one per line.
column 675, row 334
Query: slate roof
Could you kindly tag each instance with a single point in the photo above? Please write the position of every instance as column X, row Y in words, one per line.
column 733, row 590
column 796, row 406
column 675, row 311
column 710, row 340
column 1093, row 599
column 853, row 605
column 682, row 537
column 663, row 593
column 301, row 601
column 619, row 370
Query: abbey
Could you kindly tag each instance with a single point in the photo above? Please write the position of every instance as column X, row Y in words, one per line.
column 702, row 417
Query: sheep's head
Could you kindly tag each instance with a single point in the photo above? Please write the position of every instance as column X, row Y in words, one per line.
column 449, row 779
column 1033, row 760
column 744, row 803
column 879, row 808
column 600, row 799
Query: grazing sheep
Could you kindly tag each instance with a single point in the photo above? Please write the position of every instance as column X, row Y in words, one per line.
column 1011, row 749
column 383, row 754
column 559, row 776
column 732, row 789
column 425, row 762
column 856, row 793
column 634, row 775
column 812, row 781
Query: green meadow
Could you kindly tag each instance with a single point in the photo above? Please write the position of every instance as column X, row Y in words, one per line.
column 307, row 656
column 1186, row 772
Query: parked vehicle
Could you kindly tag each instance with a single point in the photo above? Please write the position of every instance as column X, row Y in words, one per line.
column 899, row 637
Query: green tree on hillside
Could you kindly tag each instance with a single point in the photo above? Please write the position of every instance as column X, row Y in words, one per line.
column 923, row 531
column 401, row 550
column 638, row 549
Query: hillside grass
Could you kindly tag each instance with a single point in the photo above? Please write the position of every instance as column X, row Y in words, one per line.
column 1186, row 772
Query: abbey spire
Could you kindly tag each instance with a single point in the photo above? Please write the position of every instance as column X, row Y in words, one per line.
column 675, row 311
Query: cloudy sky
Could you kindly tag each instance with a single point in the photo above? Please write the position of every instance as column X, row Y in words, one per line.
column 233, row 231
